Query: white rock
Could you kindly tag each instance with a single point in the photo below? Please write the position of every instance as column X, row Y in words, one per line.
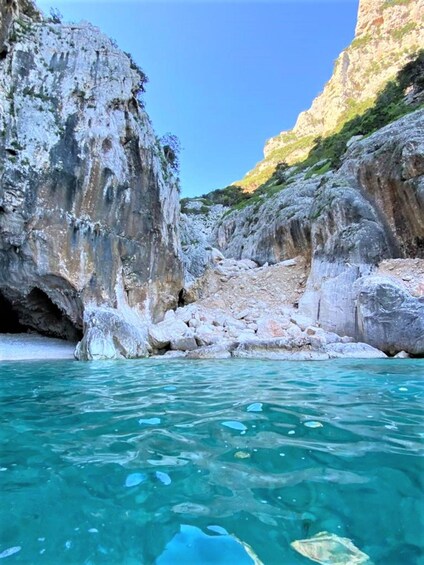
column 269, row 327
column 233, row 324
column 402, row 355
column 208, row 335
column 169, row 315
column 353, row 351
column 302, row 321
column 288, row 263
column 216, row 256
column 160, row 335
column 243, row 314
column 294, row 331
column 211, row 352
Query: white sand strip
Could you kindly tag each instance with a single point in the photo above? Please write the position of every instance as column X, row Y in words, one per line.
column 15, row 347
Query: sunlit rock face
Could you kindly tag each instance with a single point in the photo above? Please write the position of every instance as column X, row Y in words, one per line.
column 387, row 35
column 88, row 203
column 346, row 222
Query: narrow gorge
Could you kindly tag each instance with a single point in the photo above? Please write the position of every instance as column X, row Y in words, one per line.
column 92, row 245
column 231, row 378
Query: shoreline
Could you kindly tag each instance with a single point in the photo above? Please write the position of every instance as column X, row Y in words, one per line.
column 34, row 347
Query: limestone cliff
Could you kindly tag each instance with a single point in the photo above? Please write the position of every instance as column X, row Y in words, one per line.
column 388, row 32
column 346, row 222
column 88, row 203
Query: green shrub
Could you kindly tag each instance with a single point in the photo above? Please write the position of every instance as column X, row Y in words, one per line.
column 389, row 106
column 401, row 32
column 228, row 196
column 390, row 3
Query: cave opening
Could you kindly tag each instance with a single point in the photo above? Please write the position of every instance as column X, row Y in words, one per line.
column 9, row 318
column 37, row 313
column 181, row 298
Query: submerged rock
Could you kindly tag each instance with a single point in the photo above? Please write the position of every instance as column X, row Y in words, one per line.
column 135, row 479
column 191, row 545
column 331, row 549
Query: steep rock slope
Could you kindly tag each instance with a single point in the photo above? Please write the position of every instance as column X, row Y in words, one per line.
column 88, row 204
column 346, row 222
column 388, row 32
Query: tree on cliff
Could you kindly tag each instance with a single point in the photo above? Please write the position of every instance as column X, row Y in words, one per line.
column 171, row 146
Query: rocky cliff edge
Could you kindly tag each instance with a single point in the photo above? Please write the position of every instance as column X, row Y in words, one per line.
column 89, row 207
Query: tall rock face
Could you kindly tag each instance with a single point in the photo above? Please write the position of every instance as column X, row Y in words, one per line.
column 88, row 204
column 387, row 34
column 345, row 223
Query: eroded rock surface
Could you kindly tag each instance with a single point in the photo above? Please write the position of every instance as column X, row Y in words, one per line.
column 88, row 203
column 248, row 311
column 388, row 316
column 345, row 223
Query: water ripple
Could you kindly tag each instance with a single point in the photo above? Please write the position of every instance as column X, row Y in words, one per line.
column 268, row 451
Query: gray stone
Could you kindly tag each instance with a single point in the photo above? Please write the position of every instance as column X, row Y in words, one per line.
column 289, row 263
column 207, row 335
column 302, row 321
column 184, row 344
column 211, row 352
column 402, row 355
column 353, row 351
column 160, row 335
column 388, row 317
column 171, row 355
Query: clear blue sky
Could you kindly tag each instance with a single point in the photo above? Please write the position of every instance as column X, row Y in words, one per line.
column 224, row 76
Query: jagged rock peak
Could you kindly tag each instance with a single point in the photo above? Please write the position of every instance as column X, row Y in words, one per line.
column 388, row 34
column 374, row 13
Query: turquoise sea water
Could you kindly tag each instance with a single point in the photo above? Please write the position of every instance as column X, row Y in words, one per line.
column 155, row 462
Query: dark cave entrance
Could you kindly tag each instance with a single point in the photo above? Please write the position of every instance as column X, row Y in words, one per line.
column 9, row 318
column 37, row 313
column 181, row 298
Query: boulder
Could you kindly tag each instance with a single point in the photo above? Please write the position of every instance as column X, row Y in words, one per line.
column 388, row 316
column 109, row 335
column 302, row 321
column 207, row 335
column 160, row 335
column 268, row 327
column 211, row 352
column 353, row 350
column 402, row 355
column 186, row 343
column 288, row 263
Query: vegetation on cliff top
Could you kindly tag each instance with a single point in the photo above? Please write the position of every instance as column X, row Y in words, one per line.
column 326, row 153
column 389, row 106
